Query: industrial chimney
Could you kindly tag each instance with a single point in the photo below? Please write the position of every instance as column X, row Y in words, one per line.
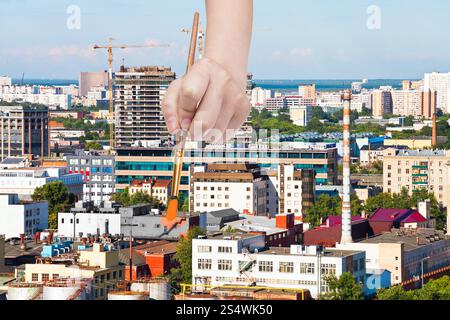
column 434, row 133
column 346, row 235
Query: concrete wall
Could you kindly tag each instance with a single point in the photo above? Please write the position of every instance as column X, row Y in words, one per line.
column 88, row 223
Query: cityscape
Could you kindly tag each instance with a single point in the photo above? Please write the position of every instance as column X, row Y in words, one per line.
column 330, row 189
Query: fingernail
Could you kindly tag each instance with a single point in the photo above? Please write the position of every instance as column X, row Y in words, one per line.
column 186, row 123
column 171, row 124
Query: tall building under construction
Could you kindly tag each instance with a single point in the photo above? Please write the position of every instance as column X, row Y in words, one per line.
column 139, row 92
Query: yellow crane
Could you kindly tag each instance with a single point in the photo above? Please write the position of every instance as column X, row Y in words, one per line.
column 109, row 47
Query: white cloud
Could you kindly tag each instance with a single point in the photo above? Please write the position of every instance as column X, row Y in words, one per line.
column 301, row 52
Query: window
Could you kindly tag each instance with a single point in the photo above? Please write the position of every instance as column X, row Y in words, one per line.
column 307, row 268
column 204, row 264
column 55, row 276
column 286, row 267
column 328, row 269
column 45, row 277
column 34, row 277
column 225, row 249
column 204, row 249
column 225, row 264
column 265, row 266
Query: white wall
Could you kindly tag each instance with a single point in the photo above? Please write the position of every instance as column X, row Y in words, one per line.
column 87, row 223
column 13, row 221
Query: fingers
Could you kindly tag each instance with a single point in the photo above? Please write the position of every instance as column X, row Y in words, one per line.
column 207, row 113
column 193, row 88
column 169, row 106
column 242, row 111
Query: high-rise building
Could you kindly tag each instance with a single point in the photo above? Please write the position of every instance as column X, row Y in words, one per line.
column 89, row 80
column 416, row 170
column 307, row 91
column 24, row 130
column 440, row 82
column 301, row 115
column 416, row 103
column 381, row 102
column 139, row 92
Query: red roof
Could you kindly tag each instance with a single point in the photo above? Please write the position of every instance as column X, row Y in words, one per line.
column 337, row 220
column 162, row 183
column 397, row 215
column 414, row 217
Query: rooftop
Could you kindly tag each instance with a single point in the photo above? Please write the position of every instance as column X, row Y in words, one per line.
column 397, row 215
column 421, row 153
column 157, row 247
column 412, row 238
column 325, row 253
column 230, row 236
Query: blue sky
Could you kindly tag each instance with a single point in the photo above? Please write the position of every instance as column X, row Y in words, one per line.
column 293, row 39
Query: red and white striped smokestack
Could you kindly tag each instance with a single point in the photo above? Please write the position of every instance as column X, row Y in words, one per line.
column 346, row 236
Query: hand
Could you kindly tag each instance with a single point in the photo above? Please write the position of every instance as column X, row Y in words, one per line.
column 208, row 102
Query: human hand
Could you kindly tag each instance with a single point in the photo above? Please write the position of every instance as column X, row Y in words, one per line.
column 208, row 102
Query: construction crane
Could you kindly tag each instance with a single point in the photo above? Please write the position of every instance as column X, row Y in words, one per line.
column 109, row 47
column 200, row 37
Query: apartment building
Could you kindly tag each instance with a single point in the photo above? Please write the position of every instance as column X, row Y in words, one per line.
column 416, row 103
column 439, row 82
column 242, row 259
column 381, row 101
column 307, row 91
column 157, row 162
column 301, row 115
column 139, row 92
column 402, row 252
column 296, row 188
column 416, row 170
column 222, row 186
column 22, row 217
column 249, row 190
column 160, row 189
column 97, row 170
column 24, row 130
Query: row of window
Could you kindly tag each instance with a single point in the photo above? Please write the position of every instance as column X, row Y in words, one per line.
column 268, row 266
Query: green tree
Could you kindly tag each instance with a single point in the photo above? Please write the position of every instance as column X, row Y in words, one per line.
column 344, row 288
column 183, row 272
column 58, row 198
column 126, row 200
column 395, row 293
column 93, row 145
column 324, row 206
column 438, row 289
